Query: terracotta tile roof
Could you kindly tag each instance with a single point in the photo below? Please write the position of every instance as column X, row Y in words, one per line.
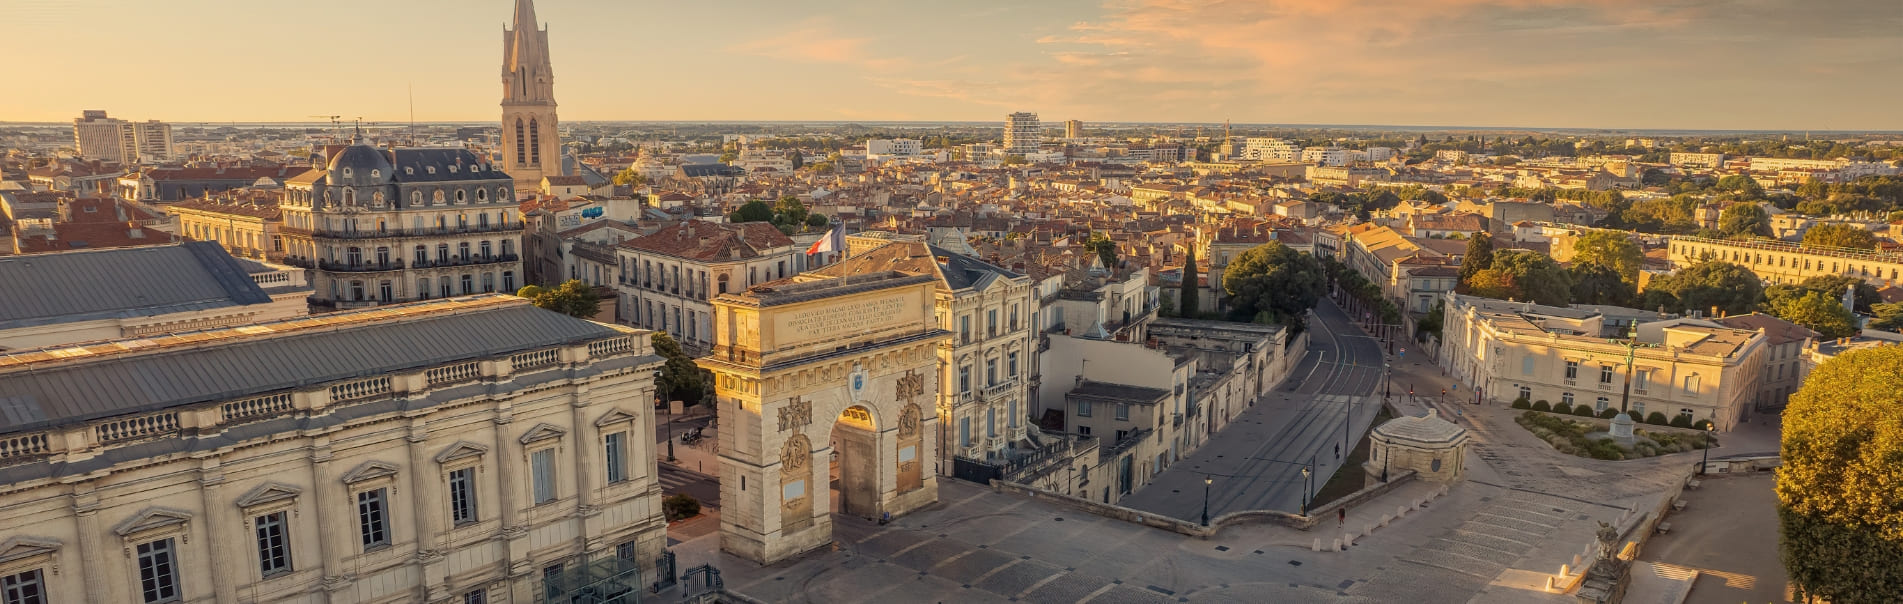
column 708, row 241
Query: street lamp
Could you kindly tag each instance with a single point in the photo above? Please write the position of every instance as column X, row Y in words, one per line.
column 1709, row 428
column 1387, row 381
column 1304, row 491
column 670, row 419
column 1206, row 481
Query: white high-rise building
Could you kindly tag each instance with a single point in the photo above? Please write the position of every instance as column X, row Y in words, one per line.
column 1022, row 133
column 96, row 136
column 149, row 141
column 1270, row 149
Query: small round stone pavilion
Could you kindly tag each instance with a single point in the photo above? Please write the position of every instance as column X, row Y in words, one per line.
column 1434, row 448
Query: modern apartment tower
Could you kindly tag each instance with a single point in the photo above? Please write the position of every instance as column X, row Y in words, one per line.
column 1022, row 132
column 1074, row 129
column 107, row 139
column 531, row 143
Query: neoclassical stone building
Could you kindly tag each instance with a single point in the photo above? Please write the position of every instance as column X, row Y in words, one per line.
column 821, row 383
column 1779, row 262
column 459, row 450
column 381, row 226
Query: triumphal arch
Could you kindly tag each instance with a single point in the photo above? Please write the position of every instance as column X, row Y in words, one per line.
column 826, row 390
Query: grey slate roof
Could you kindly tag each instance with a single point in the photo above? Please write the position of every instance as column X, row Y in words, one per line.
column 963, row 271
column 44, row 289
column 1119, row 392
column 33, row 398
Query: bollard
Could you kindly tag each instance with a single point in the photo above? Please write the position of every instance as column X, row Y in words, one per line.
column 1367, row 529
column 1385, row 518
column 1575, row 559
column 1348, row 538
column 1400, row 511
column 1318, row 544
column 1565, row 571
column 1338, row 545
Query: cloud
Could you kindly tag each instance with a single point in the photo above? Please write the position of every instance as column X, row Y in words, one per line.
column 816, row 41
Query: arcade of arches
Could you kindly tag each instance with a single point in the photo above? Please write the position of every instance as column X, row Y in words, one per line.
column 825, row 391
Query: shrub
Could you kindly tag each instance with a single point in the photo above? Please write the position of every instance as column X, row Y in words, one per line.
column 1656, row 418
column 1703, row 424
column 1541, row 400
column 1604, row 449
column 1636, row 417
column 1584, row 411
column 679, row 506
column 1542, row 406
column 1563, row 408
column 1520, row 403
column 1681, row 421
column 1609, row 413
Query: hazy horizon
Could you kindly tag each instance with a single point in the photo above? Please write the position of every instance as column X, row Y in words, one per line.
column 1686, row 65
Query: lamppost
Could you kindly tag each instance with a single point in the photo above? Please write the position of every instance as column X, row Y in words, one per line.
column 1709, row 428
column 1206, row 481
column 670, row 419
column 1622, row 423
column 1304, row 491
column 1387, row 381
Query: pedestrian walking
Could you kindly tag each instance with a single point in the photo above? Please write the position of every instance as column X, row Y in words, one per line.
column 1341, row 517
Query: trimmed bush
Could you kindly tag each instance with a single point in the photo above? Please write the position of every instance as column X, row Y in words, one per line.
column 1520, row 403
column 1541, row 400
column 1584, row 411
column 1609, row 413
column 1563, row 408
column 1703, row 424
column 1681, row 421
column 1656, row 419
column 1542, row 406
column 1636, row 417
column 679, row 506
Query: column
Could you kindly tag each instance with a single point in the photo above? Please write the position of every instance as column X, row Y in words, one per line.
column 335, row 522
column 425, row 500
column 94, row 550
column 586, row 480
column 216, row 520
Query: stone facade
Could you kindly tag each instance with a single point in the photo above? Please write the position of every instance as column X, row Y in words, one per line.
column 1431, row 447
column 819, row 383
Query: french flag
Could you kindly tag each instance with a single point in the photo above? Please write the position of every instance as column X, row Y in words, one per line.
column 827, row 243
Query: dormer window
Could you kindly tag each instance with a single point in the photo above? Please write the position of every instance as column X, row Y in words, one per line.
column 461, row 196
column 374, row 174
column 346, row 172
column 430, row 169
column 452, row 169
column 482, row 195
column 409, row 171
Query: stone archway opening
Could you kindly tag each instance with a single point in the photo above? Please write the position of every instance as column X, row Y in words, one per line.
column 856, row 461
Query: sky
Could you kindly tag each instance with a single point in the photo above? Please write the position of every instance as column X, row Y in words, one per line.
column 1668, row 64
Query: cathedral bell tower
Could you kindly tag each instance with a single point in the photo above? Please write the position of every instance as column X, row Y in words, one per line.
column 531, row 143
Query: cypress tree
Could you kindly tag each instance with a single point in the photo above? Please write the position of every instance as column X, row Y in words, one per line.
column 1188, row 304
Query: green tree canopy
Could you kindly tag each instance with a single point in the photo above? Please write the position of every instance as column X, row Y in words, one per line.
column 574, row 298
column 1479, row 256
column 1887, row 316
column 1106, row 249
column 1818, row 311
column 1272, row 278
column 630, row 177
column 1595, row 283
column 1613, row 250
column 680, row 379
column 753, row 211
column 1834, row 286
column 1840, row 235
column 1840, row 527
column 1744, row 219
column 1535, row 277
column 1704, row 286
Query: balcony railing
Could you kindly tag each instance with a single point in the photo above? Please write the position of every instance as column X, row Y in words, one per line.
column 422, row 232
column 1178, row 421
column 359, row 267
column 454, row 261
column 999, row 390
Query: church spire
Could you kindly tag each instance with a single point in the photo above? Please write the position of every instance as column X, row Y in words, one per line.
column 531, row 139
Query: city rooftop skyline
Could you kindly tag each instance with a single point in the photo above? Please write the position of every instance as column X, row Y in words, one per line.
column 1624, row 64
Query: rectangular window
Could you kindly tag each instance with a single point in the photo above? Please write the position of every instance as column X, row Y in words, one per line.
column 626, row 551
column 24, row 588
column 1123, row 412
column 964, row 330
column 1013, row 365
column 1605, row 374
column 964, row 432
column 158, row 572
column 991, row 322
column 991, row 422
column 1011, row 414
column 991, row 372
column 1639, row 378
column 462, row 496
column 1526, row 365
column 614, row 446
column 274, row 555
column 370, row 519
column 1600, row 405
column 1083, row 408
column 542, row 469
column 1572, row 370
column 476, row 597
column 964, row 379
column 1691, row 383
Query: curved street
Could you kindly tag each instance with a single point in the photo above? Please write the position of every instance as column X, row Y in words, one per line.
column 1256, row 462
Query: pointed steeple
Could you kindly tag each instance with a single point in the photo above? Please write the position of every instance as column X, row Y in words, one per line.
column 531, row 138
column 525, row 14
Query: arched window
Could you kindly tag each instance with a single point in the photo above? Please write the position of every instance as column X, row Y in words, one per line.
column 535, row 143
column 461, row 196
column 350, row 197
column 482, row 195
column 376, row 174
column 416, row 198
column 502, row 193
column 521, row 155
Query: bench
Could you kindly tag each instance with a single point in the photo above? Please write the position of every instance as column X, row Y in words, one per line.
column 1678, row 505
column 1664, row 527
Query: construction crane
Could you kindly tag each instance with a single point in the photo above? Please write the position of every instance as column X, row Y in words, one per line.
column 334, row 124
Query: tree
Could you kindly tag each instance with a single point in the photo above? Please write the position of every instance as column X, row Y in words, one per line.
column 1610, row 249
column 1815, row 310
column 1741, row 184
column 789, row 210
column 1595, row 283
column 1432, row 323
column 1492, row 284
column 1536, row 277
column 1840, row 529
column 1705, row 286
column 681, row 379
column 1106, row 249
column 816, row 221
column 754, row 211
column 574, row 298
column 1479, row 256
column 1744, row 219
column 1887, row 316
column 1834, row 286
column 1190, row 302
column 1840, row 235
column 1274, row 282
column 630, row 178
column 729, row 157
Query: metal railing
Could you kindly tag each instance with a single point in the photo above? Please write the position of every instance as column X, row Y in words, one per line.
column 422, row 232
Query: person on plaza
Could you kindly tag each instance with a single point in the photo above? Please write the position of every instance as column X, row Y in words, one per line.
column 1341, row 517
